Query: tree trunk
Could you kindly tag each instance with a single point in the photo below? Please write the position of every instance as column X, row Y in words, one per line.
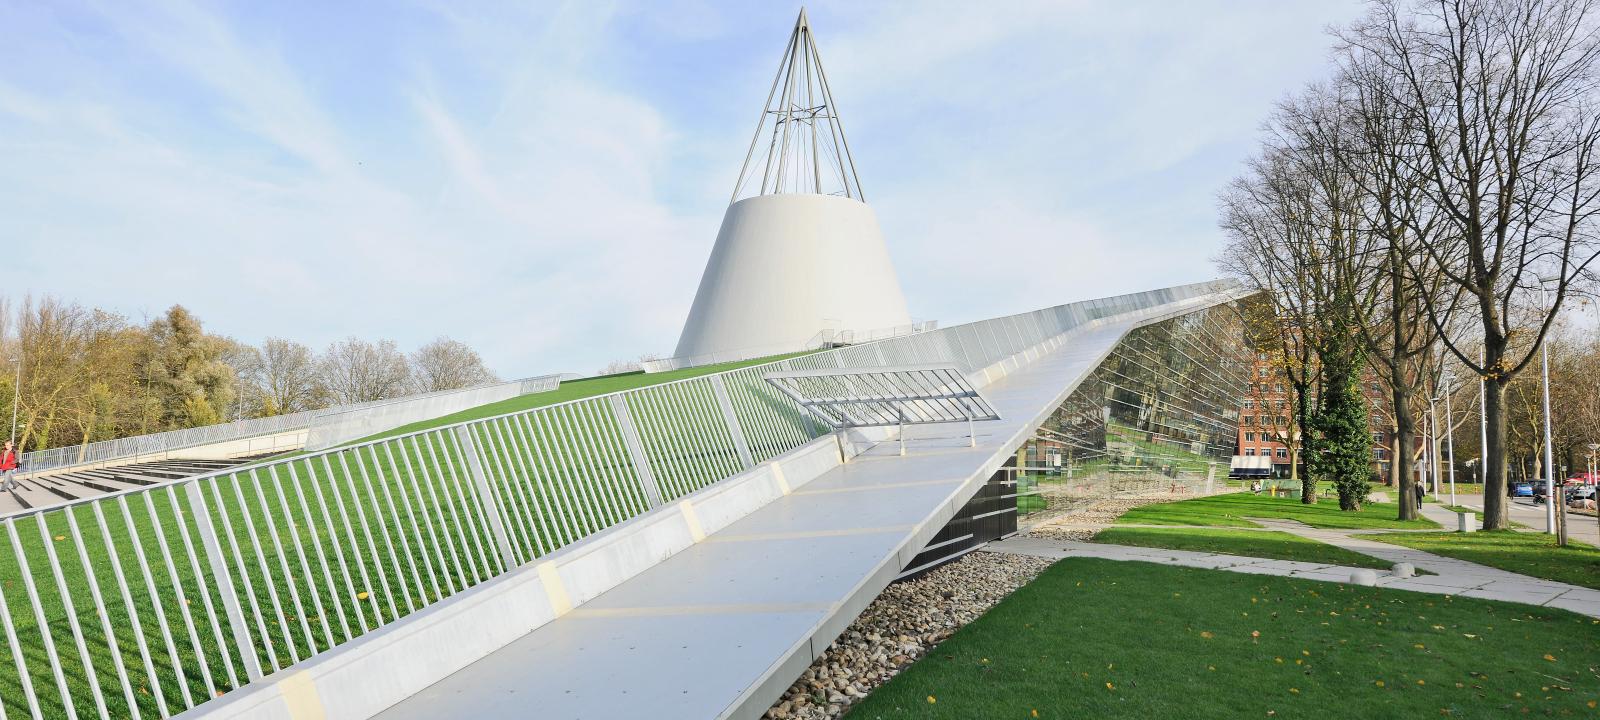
column 1494, row 470
column 1405, row 427
column 1308, row 483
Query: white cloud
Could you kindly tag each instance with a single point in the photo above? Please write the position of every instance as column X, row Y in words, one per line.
column 495, row 175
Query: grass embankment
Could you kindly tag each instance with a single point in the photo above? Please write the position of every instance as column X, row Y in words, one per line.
column 1232, row 510
column 575, row 390
column 1249, row 543
column 1106, row 639
column 1532, row 554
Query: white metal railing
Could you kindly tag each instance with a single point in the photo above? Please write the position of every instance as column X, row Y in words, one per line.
column 336, row 425
column 151, row 601
column 824, row 338
column 39, row 461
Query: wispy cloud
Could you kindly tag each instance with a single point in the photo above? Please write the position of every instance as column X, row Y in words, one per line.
column 544, row 181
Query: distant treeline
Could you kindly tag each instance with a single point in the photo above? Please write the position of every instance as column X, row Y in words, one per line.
column 88, row 374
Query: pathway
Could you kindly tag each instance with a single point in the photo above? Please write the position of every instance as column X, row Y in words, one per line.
column 1454, row 577
column 1580, row 527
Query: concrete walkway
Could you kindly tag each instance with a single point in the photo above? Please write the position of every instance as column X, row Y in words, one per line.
column 1451, row 576
column 1580, row 527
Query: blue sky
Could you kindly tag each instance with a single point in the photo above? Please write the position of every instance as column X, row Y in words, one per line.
column 544, row 180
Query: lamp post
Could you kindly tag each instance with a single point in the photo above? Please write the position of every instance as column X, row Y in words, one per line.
column 1549, row 446
column 16, row 399
column 1433, row 444
column 1449, row 434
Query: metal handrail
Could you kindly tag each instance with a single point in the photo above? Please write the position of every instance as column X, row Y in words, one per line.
column 102, row 451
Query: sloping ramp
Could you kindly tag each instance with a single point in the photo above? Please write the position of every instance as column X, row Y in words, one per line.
column 723, row 627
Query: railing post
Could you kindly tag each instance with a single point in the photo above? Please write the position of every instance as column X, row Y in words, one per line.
column 224, row 579
column 641, row 463
column 480, row 482
column 734, row 428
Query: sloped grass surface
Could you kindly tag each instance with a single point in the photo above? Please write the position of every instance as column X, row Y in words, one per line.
column 575, row 390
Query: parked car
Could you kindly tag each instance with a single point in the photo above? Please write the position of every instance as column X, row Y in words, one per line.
column 1580, row 492
column 1584, row 478
column 1522, row 490
column 1540, row 491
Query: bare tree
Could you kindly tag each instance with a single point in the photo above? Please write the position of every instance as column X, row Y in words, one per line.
column 446, row 364
column 1499, row 93
column 280, row 377
column 354, row 370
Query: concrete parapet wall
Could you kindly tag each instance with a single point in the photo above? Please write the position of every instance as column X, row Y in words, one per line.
column 363, row 677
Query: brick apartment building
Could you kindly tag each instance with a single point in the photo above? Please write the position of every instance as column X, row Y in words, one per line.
column 1266, row 419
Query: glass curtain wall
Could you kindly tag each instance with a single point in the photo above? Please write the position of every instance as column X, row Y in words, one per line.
column 1159, row 416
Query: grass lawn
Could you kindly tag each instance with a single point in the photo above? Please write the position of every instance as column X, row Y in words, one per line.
column 1533, row 554
column 1231, row 510
column 1104, row 639
column 1249, row 543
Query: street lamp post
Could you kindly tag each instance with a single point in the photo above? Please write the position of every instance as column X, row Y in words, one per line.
column 1549, row 446
column 1433, row 444
column 1449, row 435
column 1428, row 442
column 16, row 399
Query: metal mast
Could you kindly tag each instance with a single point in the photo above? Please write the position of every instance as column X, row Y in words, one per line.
column 805, row 150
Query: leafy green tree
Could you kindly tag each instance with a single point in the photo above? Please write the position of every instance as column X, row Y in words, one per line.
column 191, row 383
column 1343, row 451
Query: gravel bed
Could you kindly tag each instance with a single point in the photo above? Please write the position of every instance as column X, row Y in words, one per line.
column 899, row 627
column 911, row 617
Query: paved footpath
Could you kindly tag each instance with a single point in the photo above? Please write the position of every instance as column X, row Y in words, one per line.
column 1452, row 577
column 1580, row 527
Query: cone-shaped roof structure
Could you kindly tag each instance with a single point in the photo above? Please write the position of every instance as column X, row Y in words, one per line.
column 799, row 145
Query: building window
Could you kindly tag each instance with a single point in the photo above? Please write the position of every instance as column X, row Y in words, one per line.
column 1277, row 387
column 1281, row 404
column 1250, row 437
column 1283, row 452
column 1249, row 404
column 1379, row 454
column 1248, row 419
column 1377, row 437
column 1250, row 451
column 1261, row 372
column 1262, row 421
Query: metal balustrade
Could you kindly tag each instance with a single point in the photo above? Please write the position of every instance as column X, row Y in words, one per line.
column 326, row 426
column 148, row 602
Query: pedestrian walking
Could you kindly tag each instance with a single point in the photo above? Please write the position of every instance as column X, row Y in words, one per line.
column 1420, row 493
column 8, row 467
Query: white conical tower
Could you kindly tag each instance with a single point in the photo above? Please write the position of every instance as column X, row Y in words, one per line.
column 800, row 251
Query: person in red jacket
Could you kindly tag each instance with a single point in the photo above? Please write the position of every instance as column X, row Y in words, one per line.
column 8, row 467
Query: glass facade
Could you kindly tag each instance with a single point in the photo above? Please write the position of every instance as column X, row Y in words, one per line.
column 1159, row 415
